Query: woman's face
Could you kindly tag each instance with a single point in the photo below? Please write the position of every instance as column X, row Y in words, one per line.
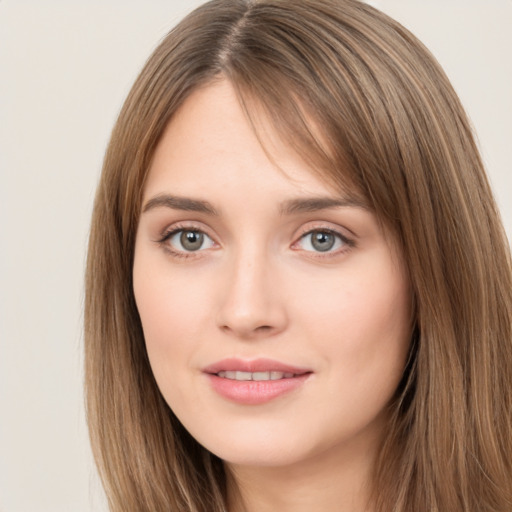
column 276, row 312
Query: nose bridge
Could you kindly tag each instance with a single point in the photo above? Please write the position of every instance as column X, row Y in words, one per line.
column 251, row 305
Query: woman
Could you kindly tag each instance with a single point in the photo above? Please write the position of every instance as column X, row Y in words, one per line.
column 298, row 286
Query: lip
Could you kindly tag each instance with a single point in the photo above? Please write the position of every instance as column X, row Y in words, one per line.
column 253, row 392
column 254, row 365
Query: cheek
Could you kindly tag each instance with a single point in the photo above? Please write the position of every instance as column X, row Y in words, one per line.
column 168, row 302
column 166, row 324
column 362, row 320
column 166, row 313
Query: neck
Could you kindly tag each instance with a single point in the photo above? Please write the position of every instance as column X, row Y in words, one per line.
column 338, row 481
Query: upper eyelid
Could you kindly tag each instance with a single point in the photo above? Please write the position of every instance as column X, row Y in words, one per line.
column 334, row 231
column 185, row 226
column 342, row 231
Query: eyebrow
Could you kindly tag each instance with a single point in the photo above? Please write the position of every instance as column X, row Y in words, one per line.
column 289, row 207
column 313, row 204
column 180, row 203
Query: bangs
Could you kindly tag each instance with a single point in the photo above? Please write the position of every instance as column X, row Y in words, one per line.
column 326, row 89
column 279, row 114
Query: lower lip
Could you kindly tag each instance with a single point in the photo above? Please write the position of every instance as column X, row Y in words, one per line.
column 255, row 392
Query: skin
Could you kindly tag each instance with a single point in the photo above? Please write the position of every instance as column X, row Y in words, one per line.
column 258, row 287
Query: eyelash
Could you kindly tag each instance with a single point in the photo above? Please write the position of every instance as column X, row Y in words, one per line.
column 168, row 235
column 163, row 241
column 347, row 243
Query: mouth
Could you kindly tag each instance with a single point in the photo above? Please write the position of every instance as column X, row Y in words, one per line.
column 254, row 382
column 257, row 376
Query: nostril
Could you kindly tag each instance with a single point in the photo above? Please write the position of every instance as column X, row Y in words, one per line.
column 249, row 332
column 263, row 328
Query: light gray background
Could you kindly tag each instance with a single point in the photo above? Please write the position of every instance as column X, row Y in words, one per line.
column 65, row 68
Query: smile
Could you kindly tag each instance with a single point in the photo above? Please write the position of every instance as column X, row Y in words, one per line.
column 254, row 382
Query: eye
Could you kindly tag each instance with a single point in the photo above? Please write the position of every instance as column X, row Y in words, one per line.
column 188, row 240
column 322, row 240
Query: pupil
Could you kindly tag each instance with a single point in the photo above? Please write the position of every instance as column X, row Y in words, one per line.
column 191, row 240
column 322, row 241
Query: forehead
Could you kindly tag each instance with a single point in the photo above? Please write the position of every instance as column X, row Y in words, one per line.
column 211, row 144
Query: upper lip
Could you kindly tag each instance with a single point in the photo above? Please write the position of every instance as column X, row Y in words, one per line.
column 254, row 365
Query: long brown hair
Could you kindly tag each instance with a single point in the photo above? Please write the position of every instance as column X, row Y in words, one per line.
column 361, row 99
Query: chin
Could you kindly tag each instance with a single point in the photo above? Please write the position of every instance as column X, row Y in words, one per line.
column 260, row 456
column 253, row 447
column 263, row 447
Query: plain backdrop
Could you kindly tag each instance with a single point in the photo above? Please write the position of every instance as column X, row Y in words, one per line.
column 65, row 69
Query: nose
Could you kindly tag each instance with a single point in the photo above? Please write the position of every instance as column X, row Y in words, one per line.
column 252, row 306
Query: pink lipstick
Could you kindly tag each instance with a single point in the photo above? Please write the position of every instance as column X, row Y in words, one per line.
column 254, row 382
